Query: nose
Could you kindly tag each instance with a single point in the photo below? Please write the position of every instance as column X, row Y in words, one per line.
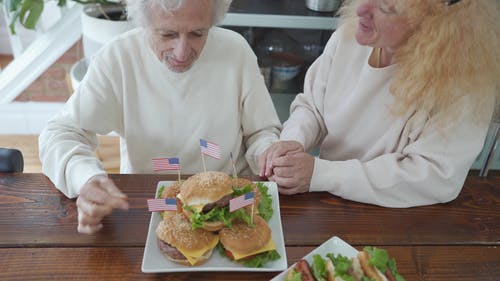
column 181, row 49
column 364, row 7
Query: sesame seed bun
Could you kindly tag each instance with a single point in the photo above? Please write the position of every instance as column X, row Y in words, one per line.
column 171, row 191
column 205, row 188
column 242, row 182
column 175, row 230
column 242, row 238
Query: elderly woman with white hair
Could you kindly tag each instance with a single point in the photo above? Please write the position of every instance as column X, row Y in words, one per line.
column 161, row 87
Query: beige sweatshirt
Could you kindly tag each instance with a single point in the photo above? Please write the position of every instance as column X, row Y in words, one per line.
column 366, row 153
column 159, row 113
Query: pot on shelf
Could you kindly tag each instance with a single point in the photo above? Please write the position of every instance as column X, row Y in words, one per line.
column 323, row 5
column 98, row 30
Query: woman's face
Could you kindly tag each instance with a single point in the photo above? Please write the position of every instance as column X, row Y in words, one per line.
column 178, row 38
column 380, row 25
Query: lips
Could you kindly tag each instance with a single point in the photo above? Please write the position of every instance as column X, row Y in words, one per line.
column 364, row 27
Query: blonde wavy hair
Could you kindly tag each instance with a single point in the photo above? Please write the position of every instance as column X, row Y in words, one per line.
column 453, row 52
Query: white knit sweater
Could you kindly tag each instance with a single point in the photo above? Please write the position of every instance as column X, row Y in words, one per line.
column 366, row 153
column 159, row 113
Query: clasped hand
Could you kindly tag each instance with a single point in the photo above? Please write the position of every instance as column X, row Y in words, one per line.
column 98, row 197
column 287, row 164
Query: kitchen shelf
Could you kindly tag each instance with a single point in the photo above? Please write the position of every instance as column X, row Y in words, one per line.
column 278, row 14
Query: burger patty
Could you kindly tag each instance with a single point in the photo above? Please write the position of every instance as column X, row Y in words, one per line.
column 171, row 251
column 224, row 201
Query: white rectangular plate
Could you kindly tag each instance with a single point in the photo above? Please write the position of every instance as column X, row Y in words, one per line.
column 333, row 245
column 154, row 261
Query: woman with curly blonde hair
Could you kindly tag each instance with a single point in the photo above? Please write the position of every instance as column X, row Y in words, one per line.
column 399, row 103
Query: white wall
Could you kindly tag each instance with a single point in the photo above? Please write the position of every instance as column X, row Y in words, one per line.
column 26, row 117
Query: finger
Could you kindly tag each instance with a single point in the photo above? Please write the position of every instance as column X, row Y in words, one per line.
column 263, row 163
column 286, row 191
column 84, row 218
column 116, row 198
column 285, row 172
column 269, row 167
column 93, row 209
column 284, row 161
column 89, row 229
column 112, row 189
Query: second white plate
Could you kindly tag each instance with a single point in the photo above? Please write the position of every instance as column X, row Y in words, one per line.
column 333, row 245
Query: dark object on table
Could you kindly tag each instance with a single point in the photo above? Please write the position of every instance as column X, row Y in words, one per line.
column 11, row 160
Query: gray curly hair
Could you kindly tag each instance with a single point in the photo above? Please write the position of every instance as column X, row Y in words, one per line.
column 139, row 10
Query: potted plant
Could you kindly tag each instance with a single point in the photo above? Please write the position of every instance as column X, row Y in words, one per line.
column 28, row 12
column 101, row 20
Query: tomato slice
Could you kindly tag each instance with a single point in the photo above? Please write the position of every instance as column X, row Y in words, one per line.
column 229, row 254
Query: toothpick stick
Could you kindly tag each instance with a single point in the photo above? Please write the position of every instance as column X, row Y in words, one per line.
column 251, row 217
column 233, row 164
column 203, row 160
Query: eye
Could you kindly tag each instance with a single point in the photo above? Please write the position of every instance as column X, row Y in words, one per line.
column 198, row 33
column 385, row 8
column 168, row 35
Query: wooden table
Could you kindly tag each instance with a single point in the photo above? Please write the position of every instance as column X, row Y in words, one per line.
column 454, row 241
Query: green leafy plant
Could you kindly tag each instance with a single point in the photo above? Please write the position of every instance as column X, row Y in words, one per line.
column 28, row 12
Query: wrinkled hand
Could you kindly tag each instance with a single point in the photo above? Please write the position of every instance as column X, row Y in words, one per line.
column 278, row 149
column 293, row 172
column 98, row 197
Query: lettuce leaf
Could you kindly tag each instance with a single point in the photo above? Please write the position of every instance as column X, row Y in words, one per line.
column 237, row 191
column 392, row 267
column 378, row 257
column 266, row 202
column 160, row 191
column 217, row 214
column 319, row 268
column 261, row 259
column 342, row 265
column 294, row 275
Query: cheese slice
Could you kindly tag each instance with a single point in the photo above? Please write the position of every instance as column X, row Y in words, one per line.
column 193, row 256
column 197, row 208
column 268, row 247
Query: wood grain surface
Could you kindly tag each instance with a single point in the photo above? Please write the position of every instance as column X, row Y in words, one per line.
column 458, row 240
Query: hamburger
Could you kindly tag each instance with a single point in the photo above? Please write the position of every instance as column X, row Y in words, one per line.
column 170, row 192
column 251, row 245
column 263, row 200
column 370, row 264
column 181, row 244
column 205, row 198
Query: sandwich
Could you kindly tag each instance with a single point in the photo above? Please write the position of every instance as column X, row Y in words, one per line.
column 371, row 264
column 181, row 244
column 170, row 192
column 205, row 198
column 263, row 200
column 252, row 245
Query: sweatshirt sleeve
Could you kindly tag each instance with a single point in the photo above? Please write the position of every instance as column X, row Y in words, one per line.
column 68, row 143
column 430, row 169
column 260, row 124
column 306, row 124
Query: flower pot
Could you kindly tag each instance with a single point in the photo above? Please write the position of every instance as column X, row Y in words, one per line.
column 97, row 30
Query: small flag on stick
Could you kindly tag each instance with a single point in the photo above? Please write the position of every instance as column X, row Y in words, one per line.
column 241, row 201
column 209, row 148
column 163, row 164
column 167, row 204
